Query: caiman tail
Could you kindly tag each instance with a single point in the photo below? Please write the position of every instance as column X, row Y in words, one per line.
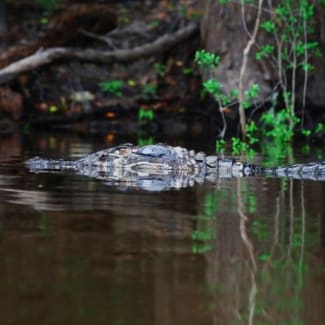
column 308, row 171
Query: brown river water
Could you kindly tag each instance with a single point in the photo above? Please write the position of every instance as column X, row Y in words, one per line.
column 235, row 251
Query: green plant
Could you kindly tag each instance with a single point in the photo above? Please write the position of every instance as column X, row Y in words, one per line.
column 160, row 69
column 155, row 23
column 145, row 114
column 220, row 145
column 113, row 87
column 238, row 146
column 207, row 60
column 48, row 5
column 149, row 89
column 290, row 24
column 291, row 49
column 319, row 128
column 251, row 133
column 279, row 125
column 187, row 71
column 305, row 132
column 182, row 10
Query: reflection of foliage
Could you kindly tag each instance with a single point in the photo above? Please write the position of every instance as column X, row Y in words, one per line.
column 206, row 231
column 281, row 245
column 284, row 269
column 43, row 223
column 207, row 221
column 276, row 152
column 260, row 230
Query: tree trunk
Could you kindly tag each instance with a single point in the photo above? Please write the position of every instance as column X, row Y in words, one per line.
column 3, row 17
column 225, row 31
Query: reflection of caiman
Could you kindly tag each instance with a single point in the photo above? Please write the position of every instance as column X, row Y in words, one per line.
column 158, row 167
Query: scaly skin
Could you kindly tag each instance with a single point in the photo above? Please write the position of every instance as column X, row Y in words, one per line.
column 158, row 167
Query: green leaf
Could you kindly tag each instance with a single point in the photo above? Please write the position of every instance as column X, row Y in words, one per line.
column 234, row 93
column 160, row 69
column 307, row 66
column 246, row 104
column 319, row 128
column 206, row 59
column 187, row 71
column 44, row 21
column 253, row 91
column 265, row 50
column 268, row 26
column 224, row 99
column 220, row 145
column 146, row 114
column 264, row 257
column 114, row 86
column 213, row 87
column 305, row 132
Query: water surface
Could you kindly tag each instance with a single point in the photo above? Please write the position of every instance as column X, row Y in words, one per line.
column 76, row 251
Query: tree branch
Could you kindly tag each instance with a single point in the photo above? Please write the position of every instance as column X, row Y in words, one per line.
column 244, row 66
column 47, row 56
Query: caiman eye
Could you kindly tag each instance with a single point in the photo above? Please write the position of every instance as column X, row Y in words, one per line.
column 153, row 150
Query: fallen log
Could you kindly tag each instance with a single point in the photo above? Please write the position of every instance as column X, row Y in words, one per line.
column 50, row 55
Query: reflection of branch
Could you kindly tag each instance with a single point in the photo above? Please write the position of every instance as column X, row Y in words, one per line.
column 43, row 57
column 276, row 225
column 303, row 232
column 275, row 241
column 250, row 249
column 242, row 228
column 291, row 215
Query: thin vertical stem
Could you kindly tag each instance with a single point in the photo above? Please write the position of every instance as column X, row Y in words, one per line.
column 304, row 90
column 246, row 51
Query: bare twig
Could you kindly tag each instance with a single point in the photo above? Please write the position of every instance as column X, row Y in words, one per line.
column 243, row 68
column 41, row 58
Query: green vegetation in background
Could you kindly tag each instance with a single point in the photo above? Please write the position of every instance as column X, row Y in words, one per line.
column 48, row 5
column 145, row 114
column 114, row 87
column 160, row 69
column 289, row 54
column 149, row 89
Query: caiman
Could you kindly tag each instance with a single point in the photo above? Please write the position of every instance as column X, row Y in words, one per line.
column 159, row 166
